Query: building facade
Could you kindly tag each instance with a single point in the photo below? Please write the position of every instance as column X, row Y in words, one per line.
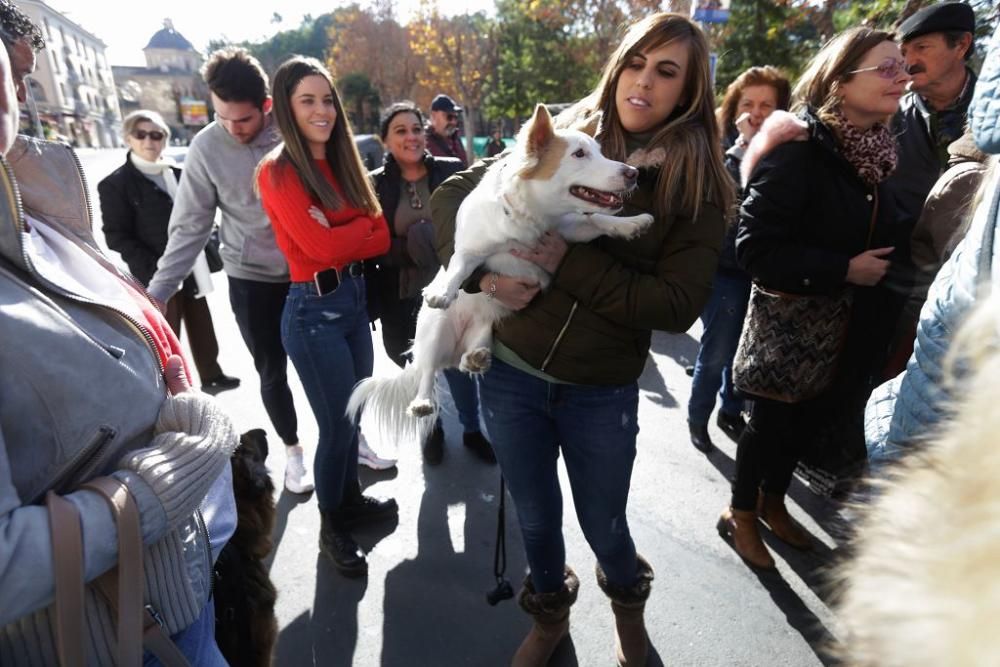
column 73, row 89
column 170, row 84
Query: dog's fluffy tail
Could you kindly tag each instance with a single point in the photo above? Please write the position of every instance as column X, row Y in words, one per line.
column 385, row 401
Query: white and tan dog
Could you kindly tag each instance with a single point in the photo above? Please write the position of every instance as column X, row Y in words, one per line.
column 553, row 180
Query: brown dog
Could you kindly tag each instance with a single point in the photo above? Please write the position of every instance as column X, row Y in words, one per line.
column 245, row 625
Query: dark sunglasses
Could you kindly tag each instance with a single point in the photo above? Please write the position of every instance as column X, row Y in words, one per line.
column 887, row 69
column 155, row 135
column 415, row 203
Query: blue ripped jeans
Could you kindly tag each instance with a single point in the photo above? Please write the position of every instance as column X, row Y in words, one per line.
column 329, row 342
column 529, row 421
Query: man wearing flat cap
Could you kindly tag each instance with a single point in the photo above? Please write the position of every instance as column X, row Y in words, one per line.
column 442, row 133
column 936, row 43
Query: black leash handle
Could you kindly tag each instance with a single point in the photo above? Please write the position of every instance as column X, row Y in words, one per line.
column 503, row 590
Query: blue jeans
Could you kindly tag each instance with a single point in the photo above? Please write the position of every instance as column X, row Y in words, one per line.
column 258, row 307
column 330, row 345
column 196, row 642
column 723, row 322
column 529, row 421
column 466, row 396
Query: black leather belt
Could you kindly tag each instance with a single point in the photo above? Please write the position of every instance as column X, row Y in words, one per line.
column 329, row 280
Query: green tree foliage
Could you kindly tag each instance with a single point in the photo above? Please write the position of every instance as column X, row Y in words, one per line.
column 361, row 101
column 539, row 58
column 762, row 32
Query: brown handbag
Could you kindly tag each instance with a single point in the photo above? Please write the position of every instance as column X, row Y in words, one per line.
column 790, row 345
column 137, row 627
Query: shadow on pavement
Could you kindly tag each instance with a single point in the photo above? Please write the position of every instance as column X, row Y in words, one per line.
column 327, row 637
column 432, row 614
column 287, row 501
column 799, row 616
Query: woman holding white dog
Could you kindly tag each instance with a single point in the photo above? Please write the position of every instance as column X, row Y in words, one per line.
column 326, row 220
column 565, row 366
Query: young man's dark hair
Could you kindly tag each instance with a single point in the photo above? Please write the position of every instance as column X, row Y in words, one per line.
column 235, row 76
column 15, row 25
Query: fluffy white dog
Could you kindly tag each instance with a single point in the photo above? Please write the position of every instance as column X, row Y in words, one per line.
column 553, row 180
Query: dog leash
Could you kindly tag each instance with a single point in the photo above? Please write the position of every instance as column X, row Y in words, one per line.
column 503, row 590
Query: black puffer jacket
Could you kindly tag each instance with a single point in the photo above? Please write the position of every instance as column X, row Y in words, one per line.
column 136, row 213
column 382, row 273
column 805, row 214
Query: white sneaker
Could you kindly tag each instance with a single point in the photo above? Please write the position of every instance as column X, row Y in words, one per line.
column 368, row 457
column 297, row 477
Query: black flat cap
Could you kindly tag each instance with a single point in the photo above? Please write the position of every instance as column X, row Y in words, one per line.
column 943, row 17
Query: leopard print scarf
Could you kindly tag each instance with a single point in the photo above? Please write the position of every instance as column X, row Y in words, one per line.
column 871, row 152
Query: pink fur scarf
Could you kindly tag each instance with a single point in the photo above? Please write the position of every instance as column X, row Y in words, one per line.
column 871, row 152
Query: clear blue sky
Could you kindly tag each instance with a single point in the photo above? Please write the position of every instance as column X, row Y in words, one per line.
column 126, row 26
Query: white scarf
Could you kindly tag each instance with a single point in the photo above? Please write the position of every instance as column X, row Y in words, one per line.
column 164, row 169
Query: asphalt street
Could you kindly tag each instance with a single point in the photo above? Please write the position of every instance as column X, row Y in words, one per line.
column 424, row 600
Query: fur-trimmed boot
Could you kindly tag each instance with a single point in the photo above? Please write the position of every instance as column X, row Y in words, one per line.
column 739, row 528
column 551, row 612
column 629, row 605
column 772, row 511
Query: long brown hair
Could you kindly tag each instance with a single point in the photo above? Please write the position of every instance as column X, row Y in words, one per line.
column 819, row 85
column 754, row 76
column 689, row 138
column 341, row 152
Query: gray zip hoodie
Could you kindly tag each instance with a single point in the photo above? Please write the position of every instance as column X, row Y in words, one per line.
column 218, row 174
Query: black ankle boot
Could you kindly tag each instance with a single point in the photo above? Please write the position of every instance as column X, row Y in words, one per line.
column 699, row 437
column 357, row 509
column 731, row 425
column 338, row 545
column 433, row 448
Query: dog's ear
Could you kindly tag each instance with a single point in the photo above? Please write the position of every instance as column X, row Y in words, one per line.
column 540, row 131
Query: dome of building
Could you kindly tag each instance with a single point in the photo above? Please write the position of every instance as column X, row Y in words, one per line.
column 168, row 38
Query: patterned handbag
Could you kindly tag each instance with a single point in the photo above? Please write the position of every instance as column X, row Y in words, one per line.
column 791, row 343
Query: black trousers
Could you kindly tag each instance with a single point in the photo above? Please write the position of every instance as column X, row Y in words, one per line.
column 399, row 326
column 258, row 306
column 771, row 446
column 197, row 319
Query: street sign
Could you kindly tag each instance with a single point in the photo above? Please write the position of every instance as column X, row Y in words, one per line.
column 710, row 11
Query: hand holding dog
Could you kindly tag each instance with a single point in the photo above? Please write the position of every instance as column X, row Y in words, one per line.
column 548, row 254
column 515, row 293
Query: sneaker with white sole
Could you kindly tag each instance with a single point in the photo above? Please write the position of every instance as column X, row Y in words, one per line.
column 368, row 457
column 297, row 477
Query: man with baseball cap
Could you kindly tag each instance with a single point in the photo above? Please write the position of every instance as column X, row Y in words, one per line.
column 442, row 133
column 936, row 43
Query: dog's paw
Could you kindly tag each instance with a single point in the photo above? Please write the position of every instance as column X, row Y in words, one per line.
column 476, row 361
column 441, row 301
column 421, row 407
column 636, row 225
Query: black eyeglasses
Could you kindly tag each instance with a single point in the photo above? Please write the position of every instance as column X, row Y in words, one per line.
column 887, row 69
column 155, row 135
column 415, row 203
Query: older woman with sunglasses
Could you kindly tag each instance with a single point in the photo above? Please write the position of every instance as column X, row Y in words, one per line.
column 816, row 221
column 136, row 201
column 404, row 185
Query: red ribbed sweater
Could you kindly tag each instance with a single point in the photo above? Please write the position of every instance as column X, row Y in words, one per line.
column 307, row 245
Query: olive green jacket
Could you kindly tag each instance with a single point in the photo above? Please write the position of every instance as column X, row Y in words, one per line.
column 593, row 324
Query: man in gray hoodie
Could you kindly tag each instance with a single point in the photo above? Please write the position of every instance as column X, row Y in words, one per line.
column 219, row 175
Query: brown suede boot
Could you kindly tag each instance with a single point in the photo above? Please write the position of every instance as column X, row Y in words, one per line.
column 739, row 528
column 551, row 612
column 772, row 511
column 628, row 605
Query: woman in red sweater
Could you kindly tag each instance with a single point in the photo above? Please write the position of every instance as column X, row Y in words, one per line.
column 326, row 219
